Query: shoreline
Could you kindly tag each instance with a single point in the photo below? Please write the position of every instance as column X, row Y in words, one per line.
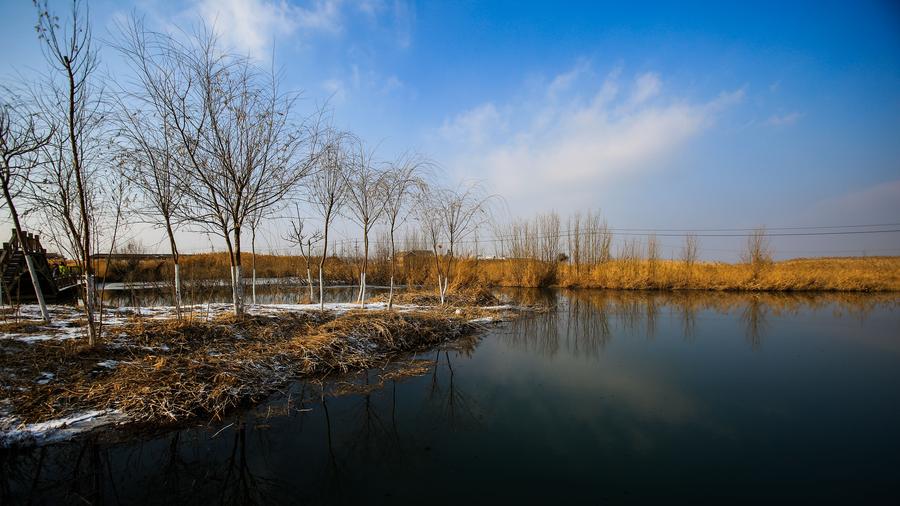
column 151, row 369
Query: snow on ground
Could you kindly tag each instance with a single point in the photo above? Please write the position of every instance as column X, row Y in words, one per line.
column 66, row 325
column 13, row 433
column 67, row 320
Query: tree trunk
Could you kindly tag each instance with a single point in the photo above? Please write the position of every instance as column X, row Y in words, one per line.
column 437, row 268
column 82, row 200
column 232, row 269
column 238, row 281
column 175, row 261
column 365, row 266
column 322, row 264
column 253, row 264
column 390, row 304
column 35, row 281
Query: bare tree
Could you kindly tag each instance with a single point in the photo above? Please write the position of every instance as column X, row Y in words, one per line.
column 254, row 220
column 690, row 252
column 758, row 253
column 240, row 152
column 147, row 148
column 365, row 201
column 149, row 144
column 21, row 140
column 428, row 214
column 327, row 188
column 547, row 236
column 305, row 241
column 461, row 211
column 652, row 257
column 69, row 52
column 401, row 179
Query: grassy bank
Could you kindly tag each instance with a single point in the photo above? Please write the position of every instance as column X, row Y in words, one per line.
column 161, row 370
column 816, row 274
column 865, row 274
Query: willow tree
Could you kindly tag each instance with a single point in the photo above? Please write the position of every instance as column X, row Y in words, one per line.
column 461, row 211
column 401, row 180
column 365, row 185
column 327, row 188
column 21, row 140
column 306, row 241
column 428, row 213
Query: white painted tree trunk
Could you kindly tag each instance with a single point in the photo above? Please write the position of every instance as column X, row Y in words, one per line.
column 238, row 292
column 321, row 290
column 234, row 282
column 253, row 289
column 37, row 288
column 89, row 308
column 310, row 283
column 177, row 291
column 391, row 294
column 362, row 290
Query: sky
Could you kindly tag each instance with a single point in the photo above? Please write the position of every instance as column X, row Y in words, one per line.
column 670, row 115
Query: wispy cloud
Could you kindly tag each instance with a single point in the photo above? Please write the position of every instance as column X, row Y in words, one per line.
column 341, row 89
column 646, row 86
column 251, row 26
column 784, row 119
column 475, row 126
column 567, row 137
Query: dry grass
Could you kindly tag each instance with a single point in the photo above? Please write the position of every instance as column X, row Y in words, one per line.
column 168, row 371
column 816, row 274
column 827, row 274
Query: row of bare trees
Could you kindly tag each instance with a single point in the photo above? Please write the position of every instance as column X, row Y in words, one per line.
column 200, row 139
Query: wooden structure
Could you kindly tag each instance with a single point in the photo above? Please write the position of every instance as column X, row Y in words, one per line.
column 57, row 283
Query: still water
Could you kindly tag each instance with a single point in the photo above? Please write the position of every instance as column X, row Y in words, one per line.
column 611, row 397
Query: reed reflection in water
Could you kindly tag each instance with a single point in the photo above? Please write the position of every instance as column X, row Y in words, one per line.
column 617, row 396
column 585, row 321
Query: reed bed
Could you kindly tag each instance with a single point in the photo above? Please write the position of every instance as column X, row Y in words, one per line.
column 874, row 274
column 628, row 271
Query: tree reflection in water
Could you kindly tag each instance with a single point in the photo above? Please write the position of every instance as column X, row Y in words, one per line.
column 313, row 444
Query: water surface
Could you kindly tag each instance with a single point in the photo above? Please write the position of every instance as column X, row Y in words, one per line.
column 611, row 397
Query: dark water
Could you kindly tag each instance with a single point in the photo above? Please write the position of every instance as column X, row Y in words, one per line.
column 612, row 397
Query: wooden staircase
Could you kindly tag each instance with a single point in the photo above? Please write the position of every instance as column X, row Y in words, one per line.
column 17, row 285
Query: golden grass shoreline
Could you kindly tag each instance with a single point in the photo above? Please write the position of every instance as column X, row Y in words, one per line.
column 855, row 274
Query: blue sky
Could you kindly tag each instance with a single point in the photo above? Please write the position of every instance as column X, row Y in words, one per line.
column 663, row 115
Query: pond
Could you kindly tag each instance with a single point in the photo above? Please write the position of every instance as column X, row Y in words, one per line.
column 609, row 397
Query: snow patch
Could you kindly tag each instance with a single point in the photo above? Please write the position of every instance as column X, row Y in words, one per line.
column 44, row 378
column 13, row 433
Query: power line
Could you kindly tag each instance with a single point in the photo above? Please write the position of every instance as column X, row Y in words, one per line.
column 687, row 230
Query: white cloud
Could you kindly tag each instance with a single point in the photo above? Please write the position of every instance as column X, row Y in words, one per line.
column 251, row 26
column 404, row 20
column 337, row 91
column 473, row 127
column 646, row 86
column 563, row 82
column 391, row 83
column 784, row 119
column 543, row 144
